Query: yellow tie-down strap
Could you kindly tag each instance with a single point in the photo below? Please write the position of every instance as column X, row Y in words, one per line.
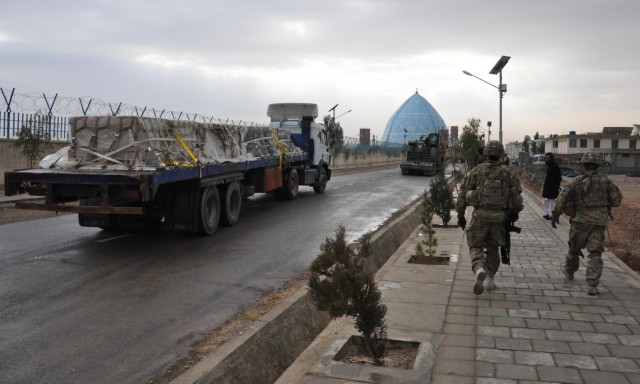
column 280, row 146
column 186, row 148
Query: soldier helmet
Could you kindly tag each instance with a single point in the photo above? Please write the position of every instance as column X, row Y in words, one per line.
column 493, row 148
column 590, row 158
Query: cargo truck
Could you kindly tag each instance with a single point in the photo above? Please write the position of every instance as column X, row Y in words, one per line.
column 123, row 170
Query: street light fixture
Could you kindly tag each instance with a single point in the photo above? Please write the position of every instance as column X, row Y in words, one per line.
column 502, row 88
column 342, row 114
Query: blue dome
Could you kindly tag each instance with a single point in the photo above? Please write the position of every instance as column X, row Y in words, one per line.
column 415, row 115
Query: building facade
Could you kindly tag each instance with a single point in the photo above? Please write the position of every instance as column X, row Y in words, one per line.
column 617, row 146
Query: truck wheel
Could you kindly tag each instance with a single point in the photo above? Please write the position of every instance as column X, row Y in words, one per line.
column 232, row 198
column 291, row 185
column 209, row 213
column 321, row 182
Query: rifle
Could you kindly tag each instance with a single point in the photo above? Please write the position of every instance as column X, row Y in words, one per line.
column 509, row 226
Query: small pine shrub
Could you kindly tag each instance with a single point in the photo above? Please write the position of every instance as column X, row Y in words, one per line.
column 340, row 284
column 441, row 198
column 427, row 246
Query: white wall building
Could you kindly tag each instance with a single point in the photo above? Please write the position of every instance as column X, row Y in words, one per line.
column 618, row 147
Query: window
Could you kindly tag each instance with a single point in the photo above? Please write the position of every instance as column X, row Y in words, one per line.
column 632, row 144
column 555, row 143
column 572, row 143
column 583, row 143
column 596, row 143
column 614, row 143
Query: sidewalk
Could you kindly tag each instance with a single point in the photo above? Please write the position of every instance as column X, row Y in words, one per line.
column 535, row 327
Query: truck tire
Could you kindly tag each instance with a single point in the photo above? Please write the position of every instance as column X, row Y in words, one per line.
column 232, row 198
column 209, row 212
column 291, row 185
column 321, row 182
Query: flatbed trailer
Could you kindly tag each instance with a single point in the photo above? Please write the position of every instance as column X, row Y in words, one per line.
column 192, row 196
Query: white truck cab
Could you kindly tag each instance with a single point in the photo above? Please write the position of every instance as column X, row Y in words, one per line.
column 299, row 119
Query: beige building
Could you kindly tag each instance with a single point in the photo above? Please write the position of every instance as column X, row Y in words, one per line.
column 618, row 147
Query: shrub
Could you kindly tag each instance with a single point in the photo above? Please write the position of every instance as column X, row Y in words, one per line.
column 33, row 141
column 341, row 285
column 441, row 198
column 427, row 246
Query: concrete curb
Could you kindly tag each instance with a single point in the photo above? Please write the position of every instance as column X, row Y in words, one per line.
column 275, row 341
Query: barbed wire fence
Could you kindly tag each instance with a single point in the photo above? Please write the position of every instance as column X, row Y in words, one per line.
column 51, row 113
column 54, row 110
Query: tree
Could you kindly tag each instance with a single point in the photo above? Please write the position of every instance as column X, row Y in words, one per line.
column 541, row 147
column 452, row 157
column 427, row 246
column 470, row 140
column 33, row 141
column 537, row 147
column 340, row 284
column 336, row 135
column 525, row 143
column 440, row 198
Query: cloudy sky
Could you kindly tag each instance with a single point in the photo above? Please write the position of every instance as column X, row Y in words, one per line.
column 575, row 64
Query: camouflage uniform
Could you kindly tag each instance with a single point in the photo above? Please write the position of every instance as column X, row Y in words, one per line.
column 587, row 200
column 494, row 191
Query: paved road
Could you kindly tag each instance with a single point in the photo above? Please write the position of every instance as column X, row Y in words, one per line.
column 81, row 305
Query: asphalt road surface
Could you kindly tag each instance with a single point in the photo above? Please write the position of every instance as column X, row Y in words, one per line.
column 81, row 305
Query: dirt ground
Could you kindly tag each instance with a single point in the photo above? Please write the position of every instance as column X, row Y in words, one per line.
column 622, row 233
column 622, row 238
column 10, row 215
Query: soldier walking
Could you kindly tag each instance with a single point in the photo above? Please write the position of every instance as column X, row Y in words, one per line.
column 494, row 192
column 587, row 200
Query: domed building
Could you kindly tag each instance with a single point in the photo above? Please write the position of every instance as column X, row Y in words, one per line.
column 414, row 118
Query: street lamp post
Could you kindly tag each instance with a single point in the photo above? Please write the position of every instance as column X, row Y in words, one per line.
column 333, row 120
column 502, row 88
column 341, row 114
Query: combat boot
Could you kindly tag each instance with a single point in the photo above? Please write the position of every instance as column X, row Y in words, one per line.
column 566, row 274
column 593, row 290
column 478, row 286
column 489, row 283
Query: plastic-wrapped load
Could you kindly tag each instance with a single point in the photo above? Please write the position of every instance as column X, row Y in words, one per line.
column 132, row 142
